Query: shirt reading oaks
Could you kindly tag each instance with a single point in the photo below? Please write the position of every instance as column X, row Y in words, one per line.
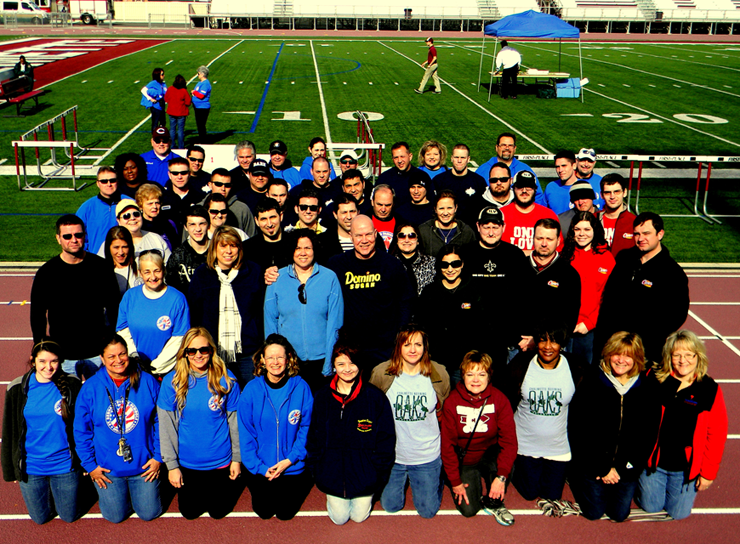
column 414, row 402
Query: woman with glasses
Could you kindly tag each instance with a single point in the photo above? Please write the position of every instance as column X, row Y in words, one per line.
column 405, row 247
column 226, row 297
column 149, row 199
column 153, row 317
column 445, row 228
column 305, row 305
column 198, row 428
column 129, row 216
column 153, row 98
column 450, row 310
column 119, row 252
column 693, row 430
column 274, row 418
column 218, row 210
column 131, row 173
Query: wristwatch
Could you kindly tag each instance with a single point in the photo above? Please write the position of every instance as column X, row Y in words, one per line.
column 502, row 478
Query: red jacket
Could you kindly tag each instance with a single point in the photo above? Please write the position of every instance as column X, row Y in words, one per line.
column 594, row 269
column 178, row 101
column 623, row 230
column 496, row 426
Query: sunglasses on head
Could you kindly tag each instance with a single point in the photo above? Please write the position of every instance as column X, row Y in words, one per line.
column 302, row 293
column 128, row 215
column 107, row 181
column 444, row 265
column 78, row 235
column 498, row 180
column 221, row 184
column 205, row 350
column 308, row 207
column 409, row 235
column 218, row 212
column 148, row 251
column 179, row 172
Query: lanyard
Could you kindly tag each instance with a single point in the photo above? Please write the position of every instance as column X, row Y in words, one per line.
column 122, row 420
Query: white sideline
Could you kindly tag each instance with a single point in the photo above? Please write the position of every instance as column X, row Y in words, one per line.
column 681, row 60
column 714, row 332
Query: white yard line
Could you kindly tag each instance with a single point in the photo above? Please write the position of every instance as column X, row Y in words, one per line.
column 713, row 52
column 506, row 124
column 323, row 104
column 714, row 332
column 701, row 303
column 682, row 60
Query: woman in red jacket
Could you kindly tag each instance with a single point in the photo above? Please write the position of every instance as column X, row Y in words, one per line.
column 178, row 101
column 693, row 430
column 478, row 425
column 587, row 250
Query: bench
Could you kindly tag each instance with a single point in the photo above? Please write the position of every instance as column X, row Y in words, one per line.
column 19, row 100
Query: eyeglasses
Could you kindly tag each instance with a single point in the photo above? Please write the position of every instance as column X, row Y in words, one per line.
column 280, row 359
column 205, row 350
column 678, row 357
column 444, row 265
column 218, row 212
column 129, row 215
column 161, row 141
column 308, row 207
column 499, row 180
column 152, row 251
column 78, row 235
column 179, row 172
column 108, row 181
column 405, row 235
column 302, row 293
column 192, row 159
column 348, row 161
column 221, row 184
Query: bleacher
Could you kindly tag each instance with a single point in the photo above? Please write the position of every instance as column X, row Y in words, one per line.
column 601, row 10
column 698, row 10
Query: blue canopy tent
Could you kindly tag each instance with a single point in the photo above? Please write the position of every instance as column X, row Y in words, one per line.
column 528, row 24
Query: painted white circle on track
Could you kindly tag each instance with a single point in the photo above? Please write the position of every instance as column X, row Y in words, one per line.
column 350, row 116
column 700, row 118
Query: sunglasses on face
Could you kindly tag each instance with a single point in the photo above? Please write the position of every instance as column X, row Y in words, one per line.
column 107, row 181
column 444, row 265
column 205, row 350
column 161, row 141
column 302, row 293
column 308, row 207
column 218, row 212
column 179, row 172
column 498, row 180
column 78, row 235
column 348, row 161
column 405, row 235
column 128, row 215
column 191, row 159
column 221, row 184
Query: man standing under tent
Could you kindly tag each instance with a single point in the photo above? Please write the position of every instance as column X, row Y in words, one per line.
column 430, row 69
column 507, row 62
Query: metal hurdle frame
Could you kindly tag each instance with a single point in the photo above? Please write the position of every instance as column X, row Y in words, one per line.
column 370, row 150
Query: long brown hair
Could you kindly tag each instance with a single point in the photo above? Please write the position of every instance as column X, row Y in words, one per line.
column 59, row 378
column 404, row 336
column 133, row 371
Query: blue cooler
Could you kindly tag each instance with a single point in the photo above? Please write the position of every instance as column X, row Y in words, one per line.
column 568, row 88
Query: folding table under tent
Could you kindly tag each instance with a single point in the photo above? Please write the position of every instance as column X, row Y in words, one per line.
column 528, row 24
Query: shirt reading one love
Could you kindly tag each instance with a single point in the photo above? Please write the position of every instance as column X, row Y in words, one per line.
column 414, row 402
column 47, row 447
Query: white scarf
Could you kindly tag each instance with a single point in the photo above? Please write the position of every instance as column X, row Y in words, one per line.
column 229, row 320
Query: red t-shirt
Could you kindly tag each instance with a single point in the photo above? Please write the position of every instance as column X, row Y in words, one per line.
column 432, row 53
column 385, row 229
column 609, row 225
column 519, row 229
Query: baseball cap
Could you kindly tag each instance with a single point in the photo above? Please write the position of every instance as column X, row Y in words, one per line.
column 491, row 214
column 525, row 178
column 581, row 189
column 125, row 204
column 586, row 154
column 162, row 133
column 260, row 167
column 278, row 146
column 349, row 154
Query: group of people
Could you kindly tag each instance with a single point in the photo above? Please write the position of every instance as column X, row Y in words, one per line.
column 439, row 325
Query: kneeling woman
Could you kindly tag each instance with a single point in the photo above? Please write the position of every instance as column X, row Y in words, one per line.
column 478, row 440
column 351, row 441
column 198, row 428
column 693, row 430
column 416, row 387
column 38, row 447
column 612, row 424
column 274, row 416
column 117, row 435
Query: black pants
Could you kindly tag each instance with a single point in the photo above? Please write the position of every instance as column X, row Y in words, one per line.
column 209, row 491
column 311, row 372
column 471, row 474
column 508, row 81
column 281, row 497
column 201, row 118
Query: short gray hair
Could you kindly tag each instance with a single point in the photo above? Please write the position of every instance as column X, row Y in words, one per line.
column 204, row 70
column 244, row 144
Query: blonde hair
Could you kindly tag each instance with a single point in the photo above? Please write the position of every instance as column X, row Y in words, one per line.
column 227, row 235
column 403, row 336
column 688, row 340
column 476, row 358
column 429, row 144
column 624, row 343
column 146, row 192
column 216, row 371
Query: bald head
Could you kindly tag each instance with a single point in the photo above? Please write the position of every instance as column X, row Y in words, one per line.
column 363, row 235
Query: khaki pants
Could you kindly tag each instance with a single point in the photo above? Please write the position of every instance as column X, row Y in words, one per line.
column 431, row 71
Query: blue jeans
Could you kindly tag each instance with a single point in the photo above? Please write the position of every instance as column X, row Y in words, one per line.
column 537, row 477
column 583, row 345
column 663, row 490
column 128, row 494
column 342, row 510
column 82, row 367
column 47, row 496
column 597, row 498
column 426, row 488
column 177, row 131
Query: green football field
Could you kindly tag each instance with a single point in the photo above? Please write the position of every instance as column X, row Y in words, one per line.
column 664, row 99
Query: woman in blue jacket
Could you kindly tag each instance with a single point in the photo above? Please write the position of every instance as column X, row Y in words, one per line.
column 117, row 435
column 153, row 98
column 305, row 305
column 274, row 415
column 352, row 439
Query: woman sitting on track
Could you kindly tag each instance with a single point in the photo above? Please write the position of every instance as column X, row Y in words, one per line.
column 274, row 417
column 119, row 252
column 198, row 428
column 612, row 423
column 38, row 446
column 117, row 437
column 693, row 430
column 416, row 387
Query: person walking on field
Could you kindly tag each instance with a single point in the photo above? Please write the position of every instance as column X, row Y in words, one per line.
column 430, row 69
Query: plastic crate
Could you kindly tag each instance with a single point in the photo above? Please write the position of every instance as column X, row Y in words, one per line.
column 568, row 88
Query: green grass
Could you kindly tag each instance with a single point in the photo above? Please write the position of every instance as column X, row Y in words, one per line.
column 663, row 80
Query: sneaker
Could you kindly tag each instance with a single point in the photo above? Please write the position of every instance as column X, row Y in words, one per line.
column 417, row 91
column 496, row 508
column 436, row 92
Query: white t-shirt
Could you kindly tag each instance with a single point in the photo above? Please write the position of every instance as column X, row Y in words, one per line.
column 542, row 416
column 414, row 402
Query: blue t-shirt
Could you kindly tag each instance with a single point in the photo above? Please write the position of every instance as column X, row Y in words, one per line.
column 203, row 87
column 203, row 432
column 155, row 90
column 153, row 321
column 558, row 195
column 47, row 447
column 305, row 171
column 433, row 173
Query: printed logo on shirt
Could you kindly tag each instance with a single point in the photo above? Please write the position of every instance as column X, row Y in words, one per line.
column 489, row 266
column 609, row 235
column 411, row 407
column 294, row 417
column 164, row 323
column 58, row 407
column 553, row 283
column 628, row 235
column 603, row 270
column 364, row 281
column 647, row 283
column 545, row 401
column 214, row 404
column 523, row 237
column 470, row 191
column 466, row 305
column 364, row 425
column 468, row 415
column 131, row 417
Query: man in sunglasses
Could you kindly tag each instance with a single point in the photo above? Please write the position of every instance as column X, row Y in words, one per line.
column 191, row 254
column 585, row 162
column 199, row 178
column 325, row 189
column 219, row 215
column 99, row 212
column 221, row 184
column 75, row 298
column 255, row 190
column 499, row 192
column 158, row 158
column 348, row 160
column 179, row 193
column 468, row 186
column 308, row 211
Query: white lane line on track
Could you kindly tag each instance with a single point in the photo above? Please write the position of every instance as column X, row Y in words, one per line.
column 713, row 275
column 714, row 332
column 715, row 338
column 727, row 380
column 323, row 103
column 701, row 303
column 15, row 303
column 510, row 127
column 16, row 339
